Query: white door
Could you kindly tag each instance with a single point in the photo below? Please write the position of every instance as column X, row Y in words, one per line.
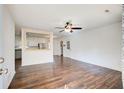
column 3, row 70
column 1, row 77
column 7, row 34
column 1, row 52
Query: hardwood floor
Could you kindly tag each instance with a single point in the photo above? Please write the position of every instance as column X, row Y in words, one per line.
column 66, row 72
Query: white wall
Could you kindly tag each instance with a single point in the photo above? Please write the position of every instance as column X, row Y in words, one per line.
column 36, row 56
column 8, row 45
column 101, row 46
column 56, row 46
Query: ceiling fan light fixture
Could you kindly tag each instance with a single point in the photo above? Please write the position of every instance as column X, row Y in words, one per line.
column 67, row 30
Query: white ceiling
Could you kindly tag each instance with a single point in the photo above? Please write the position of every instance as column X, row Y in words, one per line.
column 47, row 17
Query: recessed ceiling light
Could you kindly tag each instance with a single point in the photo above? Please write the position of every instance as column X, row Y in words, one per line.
column 107, row 10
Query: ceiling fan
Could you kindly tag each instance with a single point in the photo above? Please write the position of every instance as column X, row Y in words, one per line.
column 68, row 28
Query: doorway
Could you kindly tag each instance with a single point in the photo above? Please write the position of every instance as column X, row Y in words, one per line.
column 18, row 50
column 61, row 47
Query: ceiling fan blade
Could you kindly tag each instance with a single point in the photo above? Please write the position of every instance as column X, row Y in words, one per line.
column 60, row 27
column 61, row 31
column 78, row 28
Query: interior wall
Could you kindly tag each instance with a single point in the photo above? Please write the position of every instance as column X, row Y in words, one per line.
column 8, row 45
column 101, row 46
column 56, row 46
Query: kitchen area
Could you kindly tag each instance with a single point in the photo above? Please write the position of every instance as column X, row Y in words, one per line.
column 33, row 46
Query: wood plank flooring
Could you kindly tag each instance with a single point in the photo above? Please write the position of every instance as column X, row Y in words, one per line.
column 65, row 73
